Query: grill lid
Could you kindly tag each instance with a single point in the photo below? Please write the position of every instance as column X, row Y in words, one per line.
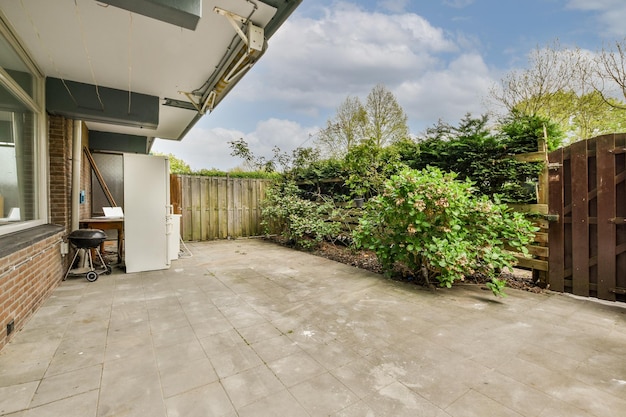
column 87, row 238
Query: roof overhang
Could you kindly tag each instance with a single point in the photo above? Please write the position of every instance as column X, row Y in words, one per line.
column 136, row 67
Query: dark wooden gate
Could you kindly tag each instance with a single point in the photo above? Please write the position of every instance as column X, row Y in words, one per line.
column 587, row 191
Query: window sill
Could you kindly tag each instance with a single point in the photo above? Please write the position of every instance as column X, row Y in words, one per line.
column 16, row 241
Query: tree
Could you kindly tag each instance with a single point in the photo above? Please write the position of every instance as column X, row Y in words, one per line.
column 381, row 121
column 177, row 165
column 550, row 70
column 567, row 87
column 345, row 130
column 386, row 120
column 611, row 63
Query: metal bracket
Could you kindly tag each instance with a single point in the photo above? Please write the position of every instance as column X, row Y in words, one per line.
column 254, row 39
column 555, row 165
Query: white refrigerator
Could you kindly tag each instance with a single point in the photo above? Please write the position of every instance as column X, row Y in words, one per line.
column 146, row 212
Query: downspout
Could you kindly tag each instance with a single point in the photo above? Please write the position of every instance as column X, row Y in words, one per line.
column 77, row 142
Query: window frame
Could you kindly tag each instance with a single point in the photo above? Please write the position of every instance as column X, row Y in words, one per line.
column 35, row 104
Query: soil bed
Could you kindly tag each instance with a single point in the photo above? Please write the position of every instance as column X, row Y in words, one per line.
column 519, row 279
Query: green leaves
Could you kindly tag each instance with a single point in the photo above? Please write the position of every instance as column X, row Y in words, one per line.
column 427, row 220
column 302, row 221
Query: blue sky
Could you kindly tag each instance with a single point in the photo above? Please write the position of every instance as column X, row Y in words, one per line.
column 438, row 57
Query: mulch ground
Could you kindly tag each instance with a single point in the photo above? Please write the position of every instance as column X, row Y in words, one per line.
column 518, row 279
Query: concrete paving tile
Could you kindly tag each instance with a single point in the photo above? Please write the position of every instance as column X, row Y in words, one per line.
column 210, row 326
column 323, row 395
column 277, row 347
column 72, row 358
column 611, row 380
column 359, row 409
column 296, row 368
column 138, row 395
column 222, row 342
column 526, row 400
column 278, row 404
column 441, row 381
column 533, row 374
column 207, row 401
column 364, row 378
column 15, row 370
column 251, row 385
column 66, row 385
column 259, row 332
column 178, row 354
column 261, row 317
column 475, row 404
column 557, row 408
column 397, row 400
column 81, row 405
column 332, row 354
column 238, row 359
column 16, row 397
column 188, row 375
column 242, row 316
column 588, row 398
column 173, row 336
column 139, row 364
column 124, row 347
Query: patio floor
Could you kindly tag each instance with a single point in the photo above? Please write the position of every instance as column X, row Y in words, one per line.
column 249, row 328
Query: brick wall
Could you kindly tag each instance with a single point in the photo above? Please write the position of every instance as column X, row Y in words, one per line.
column 28, row 276
column 38, row 270
column 60, row 148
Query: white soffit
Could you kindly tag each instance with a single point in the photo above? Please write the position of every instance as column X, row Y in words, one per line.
column 94, row 43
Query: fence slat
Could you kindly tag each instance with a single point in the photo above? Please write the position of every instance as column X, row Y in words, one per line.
column 580, row 219
column 605, row 162
column 556, row 230
column 218, row 207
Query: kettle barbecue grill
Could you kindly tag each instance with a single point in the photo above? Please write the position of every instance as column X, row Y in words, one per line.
column 85, row 241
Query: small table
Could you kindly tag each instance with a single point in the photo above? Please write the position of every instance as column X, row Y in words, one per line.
column 108, row 223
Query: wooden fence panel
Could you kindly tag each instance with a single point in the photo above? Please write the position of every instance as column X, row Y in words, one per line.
column 588, row 243
column 580, row 219
column 218, row 207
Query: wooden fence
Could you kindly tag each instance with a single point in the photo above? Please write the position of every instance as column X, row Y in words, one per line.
column 217, row 207
column 537, row 258
column 588, row 195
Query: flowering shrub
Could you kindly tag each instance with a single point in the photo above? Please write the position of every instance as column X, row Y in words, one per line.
column 300, row 221
column 432, row 224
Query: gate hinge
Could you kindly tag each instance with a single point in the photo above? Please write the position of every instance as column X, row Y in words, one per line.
column 618, row 290
column 618, row 220
column 555, row 165
column 617, row 150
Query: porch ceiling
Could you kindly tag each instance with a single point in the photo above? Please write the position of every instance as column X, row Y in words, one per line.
column 94, row 43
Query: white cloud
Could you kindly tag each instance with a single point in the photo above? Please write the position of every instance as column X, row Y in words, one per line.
column 318, row 62
column 395, row 6
column 313, row 64
column 209, row 148
column 446, row 94
column 611, row 14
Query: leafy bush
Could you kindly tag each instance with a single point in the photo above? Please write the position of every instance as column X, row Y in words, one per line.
column 432, row 224
column 300, row 221
column 474, row 150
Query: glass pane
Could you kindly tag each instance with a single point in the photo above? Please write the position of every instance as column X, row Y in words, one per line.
column 15, row 67
column 17, row 161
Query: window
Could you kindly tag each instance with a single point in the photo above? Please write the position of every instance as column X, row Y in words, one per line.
column 22, row 140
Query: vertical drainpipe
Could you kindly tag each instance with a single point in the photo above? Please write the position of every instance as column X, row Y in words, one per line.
column 77, row 142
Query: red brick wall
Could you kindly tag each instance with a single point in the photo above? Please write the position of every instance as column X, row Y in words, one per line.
column 27, row 277
column 60, row 148
column 38, row 270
